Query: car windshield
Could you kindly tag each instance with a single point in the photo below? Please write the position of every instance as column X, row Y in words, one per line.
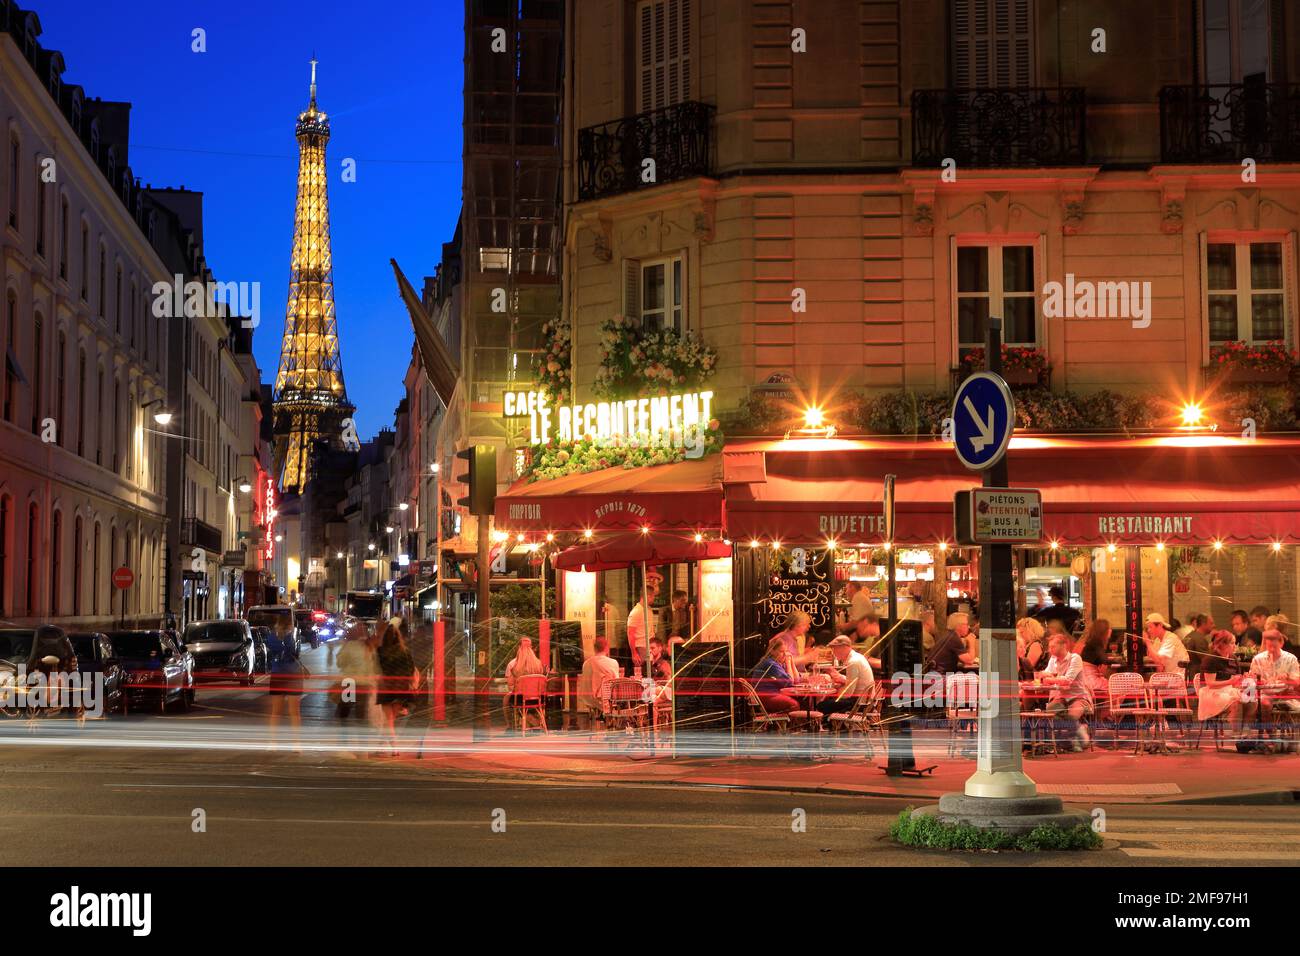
column 268, row 617
column 83, row 645
column 138, row 644
column 15, row 645
column 218, row 631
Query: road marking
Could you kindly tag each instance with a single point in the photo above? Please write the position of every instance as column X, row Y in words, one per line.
column 1223, row 856
column 1164, row 836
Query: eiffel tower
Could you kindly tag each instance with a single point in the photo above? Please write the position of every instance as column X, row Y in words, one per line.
column 310, row 400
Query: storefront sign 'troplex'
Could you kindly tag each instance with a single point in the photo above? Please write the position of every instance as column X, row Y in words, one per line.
column 653, row 416
column 799, row 581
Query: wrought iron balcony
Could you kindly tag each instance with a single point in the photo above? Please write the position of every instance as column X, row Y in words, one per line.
column 201, row 534
column 611, row 157
column 1024, row 126
column 1229, row 123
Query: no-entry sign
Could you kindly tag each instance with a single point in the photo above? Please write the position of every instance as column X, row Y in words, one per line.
column 123, row 578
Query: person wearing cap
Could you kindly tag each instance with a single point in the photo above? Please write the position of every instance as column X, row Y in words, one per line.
column 641, row 619
column 1164, row 649
column 852, row 675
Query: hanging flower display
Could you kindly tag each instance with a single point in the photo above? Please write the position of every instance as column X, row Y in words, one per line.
column 554, row 365
column 632, row 358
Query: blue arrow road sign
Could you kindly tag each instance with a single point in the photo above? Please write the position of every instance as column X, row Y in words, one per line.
column 984, row 416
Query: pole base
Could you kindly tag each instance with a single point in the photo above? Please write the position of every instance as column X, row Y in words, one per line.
column 1000, row 784
column 1014, row 815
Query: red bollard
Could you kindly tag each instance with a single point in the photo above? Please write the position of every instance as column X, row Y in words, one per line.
column 439, row 671
column 544, row 643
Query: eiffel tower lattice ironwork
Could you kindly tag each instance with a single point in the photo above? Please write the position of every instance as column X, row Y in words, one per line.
column 310, row 400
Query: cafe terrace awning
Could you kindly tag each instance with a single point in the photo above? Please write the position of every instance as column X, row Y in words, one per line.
column 1187, row 490
column 683, row 496
column 633, row 548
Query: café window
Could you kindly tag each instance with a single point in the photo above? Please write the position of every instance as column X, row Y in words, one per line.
column 654, row 293
column 1245, row 291
column 995, row 280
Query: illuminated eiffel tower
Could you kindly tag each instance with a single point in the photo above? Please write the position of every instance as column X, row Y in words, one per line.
column 310, row 401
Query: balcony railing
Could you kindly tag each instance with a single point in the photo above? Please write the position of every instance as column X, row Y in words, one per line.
column 611, row 157
column 201, row 534
column 1229, row 123
column 1029, row 126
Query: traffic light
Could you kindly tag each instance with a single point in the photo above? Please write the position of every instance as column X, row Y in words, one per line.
column 480, row 479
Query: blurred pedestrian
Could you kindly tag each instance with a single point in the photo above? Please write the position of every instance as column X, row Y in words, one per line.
column 357, row 670
column 396, row 674
column 288, row 675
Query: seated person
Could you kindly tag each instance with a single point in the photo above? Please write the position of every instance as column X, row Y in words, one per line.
column 853, row 677
column 1164, row 649
column 1071, row 697
column 1221, row 682
column 794, row 635
column 951, row 651
column 771, row 676
column 596, row 669
column 1277, row 678
column 867, row 631
column 661, row 667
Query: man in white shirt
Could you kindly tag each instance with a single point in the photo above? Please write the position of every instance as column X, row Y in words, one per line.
column 641, row 619
column 1163, row 645
column 596, row 669
column 1276, row 670
column 852, row 675
column 1071, row 697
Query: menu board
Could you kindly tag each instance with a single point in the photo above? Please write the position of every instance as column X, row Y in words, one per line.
column 798, row 579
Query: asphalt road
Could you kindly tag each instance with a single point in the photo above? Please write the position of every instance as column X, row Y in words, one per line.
column 153, row 800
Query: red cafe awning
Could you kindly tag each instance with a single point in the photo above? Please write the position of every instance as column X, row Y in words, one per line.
column 1180, row 490
column 683, row 496
column 633, row 548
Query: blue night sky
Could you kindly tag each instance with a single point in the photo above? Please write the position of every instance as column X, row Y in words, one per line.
column 222, row 122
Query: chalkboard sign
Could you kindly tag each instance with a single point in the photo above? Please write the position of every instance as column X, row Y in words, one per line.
column 798, row 579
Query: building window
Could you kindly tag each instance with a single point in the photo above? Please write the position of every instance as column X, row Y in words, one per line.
column 103, row 282
column 1245, row 291
column 992, row 44
column 654, row 293
column 117, row 303
column 6, row 520
column 9, row 357
column 102, row 431
column 61, row 383
column 1239, row 40
column 38, row 374
column 63, row 238
column 94, row 140
column 117, row 422
column 663, row 53
column 81, row 404
column 33, row 545
column 85, row 261
column 77, row 556
column 94, row 571
column 56, row 561
column 995, row 280
column 41, row 193
column 15, row 152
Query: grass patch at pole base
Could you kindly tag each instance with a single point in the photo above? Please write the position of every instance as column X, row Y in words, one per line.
column 928, row 831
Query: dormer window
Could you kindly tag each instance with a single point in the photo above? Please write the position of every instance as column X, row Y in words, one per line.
column 112, row 166
column 76, row 114
column 94, row 140
column 55, row 83
column 150, row 231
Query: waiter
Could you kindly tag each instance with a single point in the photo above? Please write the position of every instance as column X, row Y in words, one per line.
column 642, row 617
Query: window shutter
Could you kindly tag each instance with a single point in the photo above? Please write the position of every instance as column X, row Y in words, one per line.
column 992, row 43
column 663, row 53
column 632, row 290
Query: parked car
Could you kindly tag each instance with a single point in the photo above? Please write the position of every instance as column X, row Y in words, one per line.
column 158, row 671
column 15, row 648
column 223, row 650
column 261, row 652
column 275, row 616
column 306, row 624
column 95, row 655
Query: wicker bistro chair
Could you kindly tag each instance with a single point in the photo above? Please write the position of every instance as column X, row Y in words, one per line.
column 1214, row 724
column 1129, row 698
column 1170, row 700
column 863, row 719
column 759, row 717
column 961, row 706
column 627, row 706
column 531, row 693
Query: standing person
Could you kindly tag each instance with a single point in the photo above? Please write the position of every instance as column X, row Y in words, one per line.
column 286, row 682
column 950, row 651
column 1163, row 646
column 357, row 670
column 1058, row 610
column 396, row 672
column 929, row 632
column 680, row 621
column 1071, row 697
column 641, row 619
column 1197, row 641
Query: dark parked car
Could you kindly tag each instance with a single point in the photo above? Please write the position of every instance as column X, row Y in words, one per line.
column 261, row 655
column 15, row 645
column 158, row 671
column 95, row 655
column 222, row 650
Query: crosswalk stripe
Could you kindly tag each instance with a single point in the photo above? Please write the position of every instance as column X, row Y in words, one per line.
column 1246, row 856
column 1157, row 836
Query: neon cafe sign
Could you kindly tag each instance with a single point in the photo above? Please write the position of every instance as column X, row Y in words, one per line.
column 268, row 519
column 605, row 420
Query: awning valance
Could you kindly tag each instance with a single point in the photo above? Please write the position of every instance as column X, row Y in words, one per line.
column 1190, row 490
column 634, row 548
column 683, row 496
